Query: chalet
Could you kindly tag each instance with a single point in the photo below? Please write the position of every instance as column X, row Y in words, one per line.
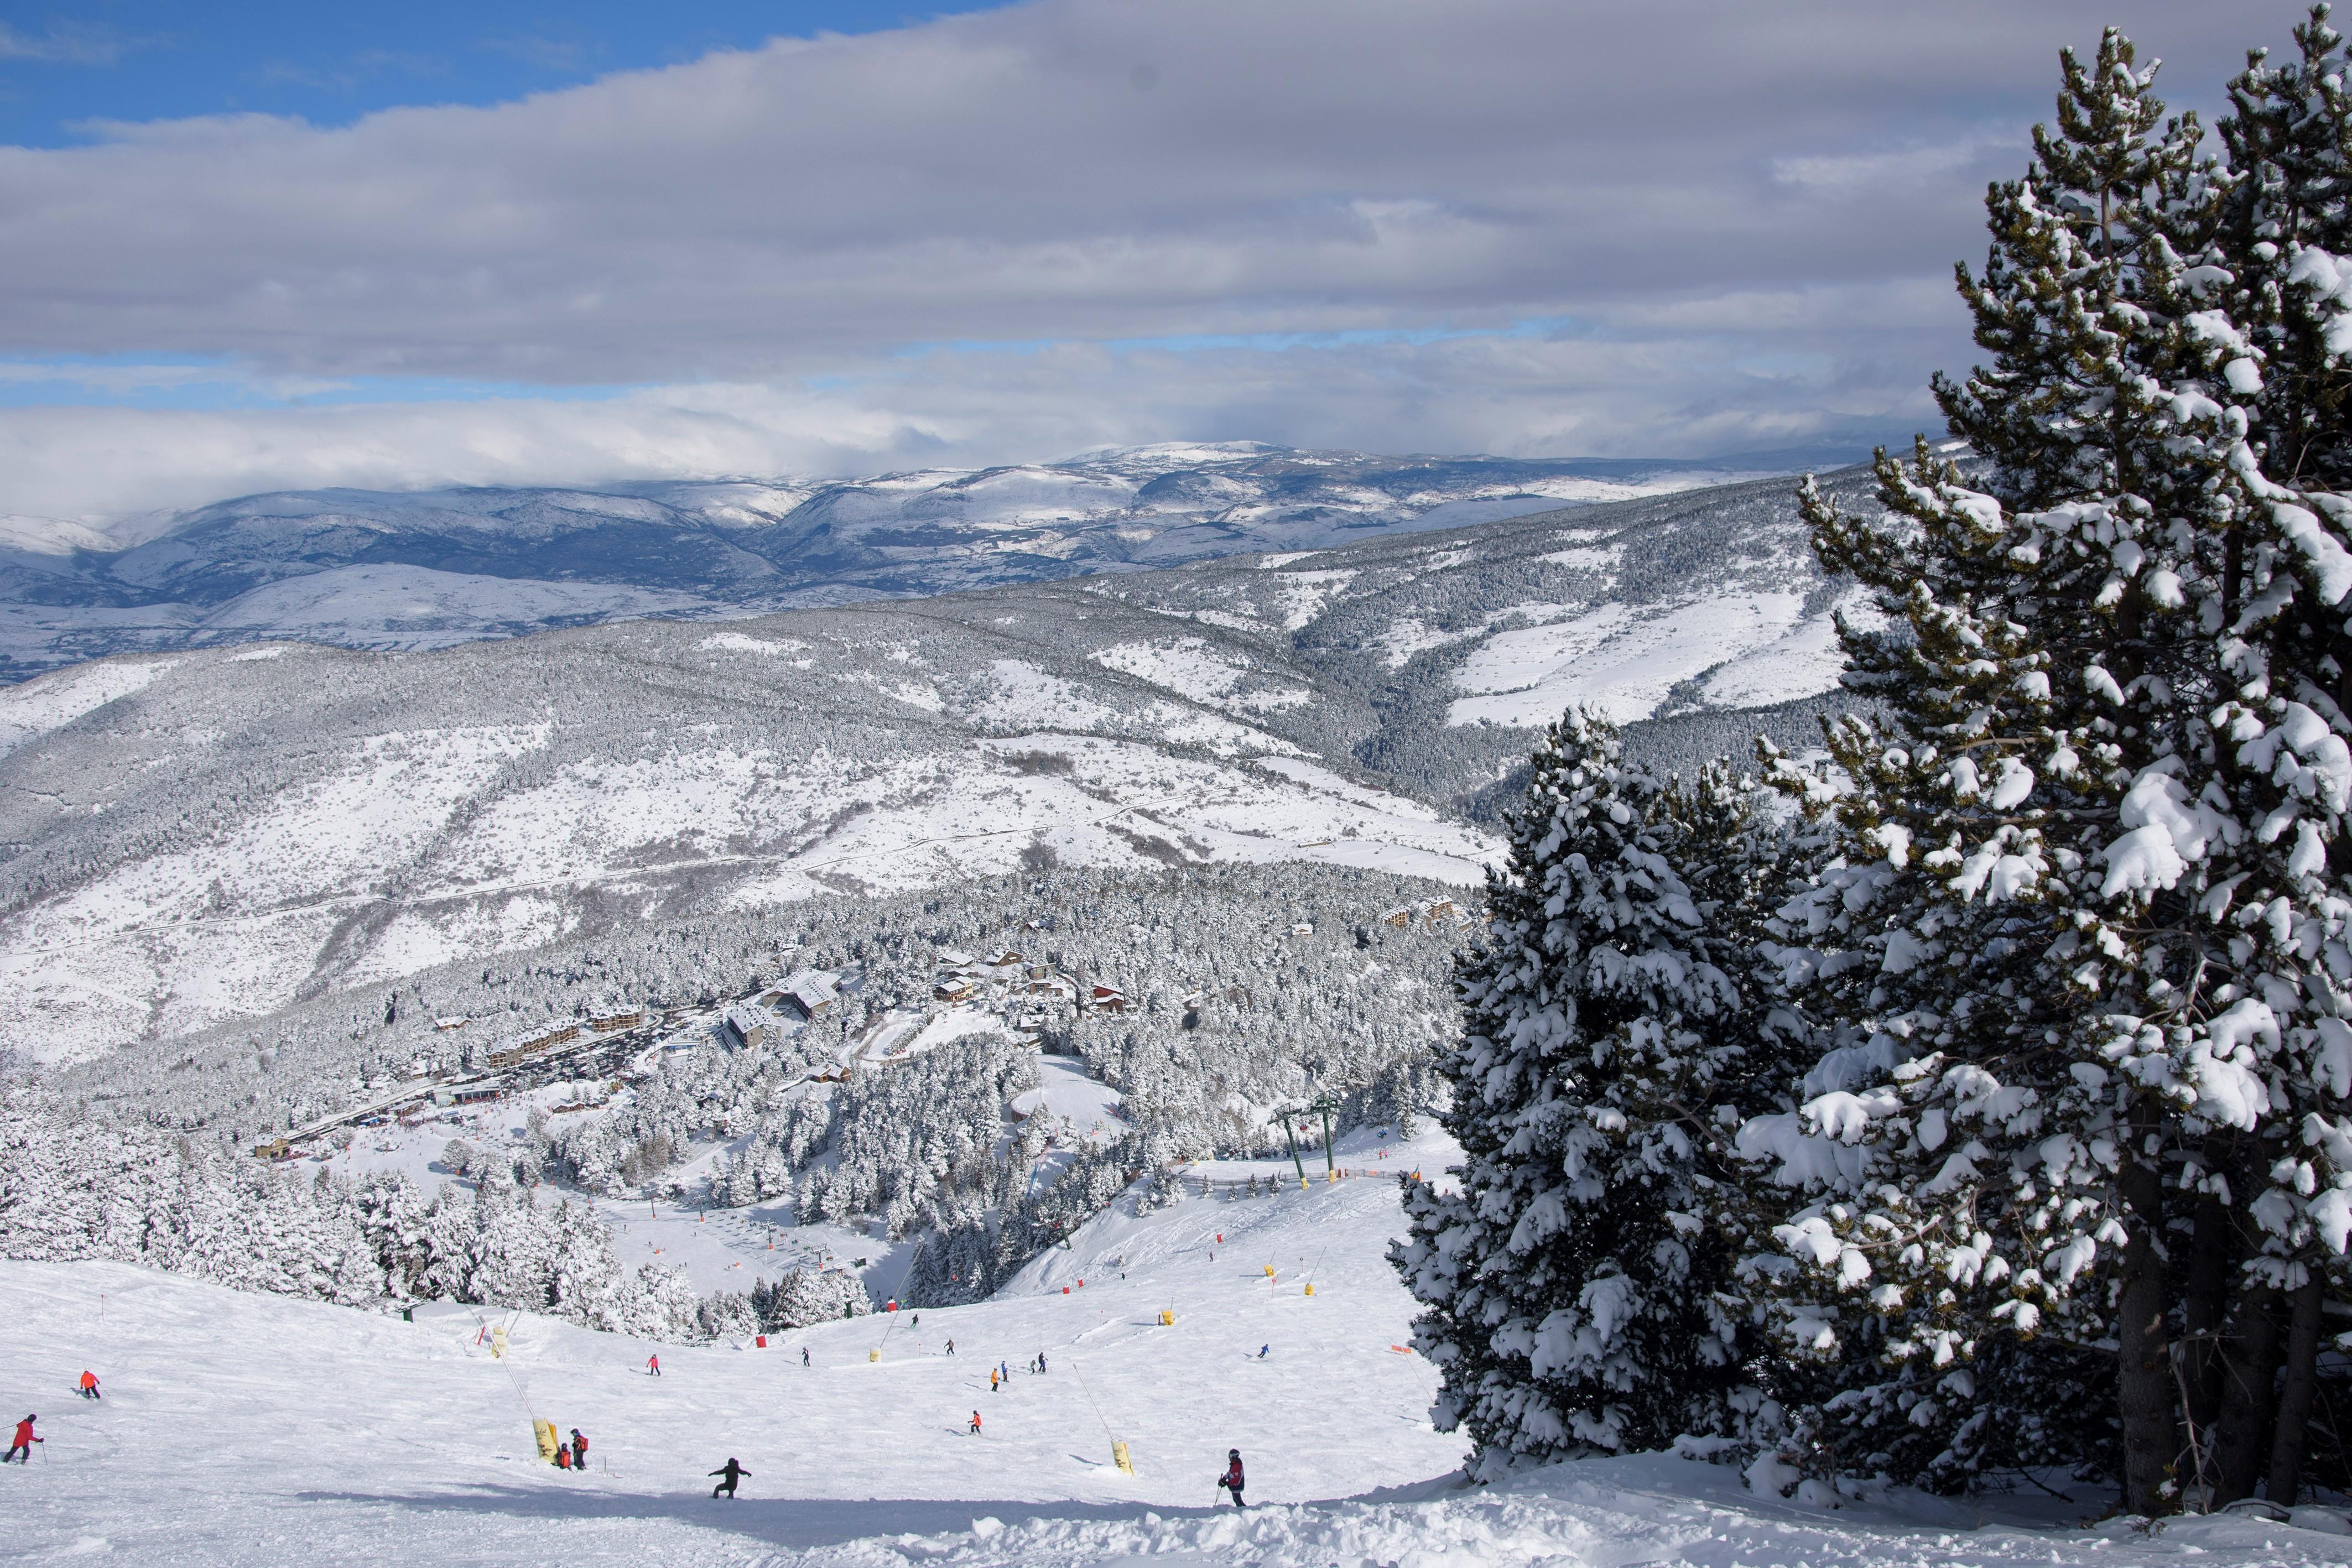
column 1054, row 985
column 1304, row 928
column 742, row 1027
column 955, row 988
column 1108, row 1000
column 810, row 991
column 955, row 957
column 451, row 1023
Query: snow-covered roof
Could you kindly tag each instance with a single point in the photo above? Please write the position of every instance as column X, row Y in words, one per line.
column 812, row 989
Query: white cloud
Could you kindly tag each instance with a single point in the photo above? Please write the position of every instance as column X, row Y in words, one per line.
column 1522, row 396
column 67, row 43
column 762, row 237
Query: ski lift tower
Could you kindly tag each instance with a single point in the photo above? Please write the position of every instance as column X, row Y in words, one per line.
column 1290, row 1131
column 1324, row 1105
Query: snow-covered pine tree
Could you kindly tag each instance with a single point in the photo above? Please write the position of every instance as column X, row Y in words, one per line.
column 2043, row 847
column 2274, row 1183
column 1570, row 1285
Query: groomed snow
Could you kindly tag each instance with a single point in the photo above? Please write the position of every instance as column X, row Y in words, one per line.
column 248, row 1429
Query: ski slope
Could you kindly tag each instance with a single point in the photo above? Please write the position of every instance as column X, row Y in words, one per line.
column 248, row 1429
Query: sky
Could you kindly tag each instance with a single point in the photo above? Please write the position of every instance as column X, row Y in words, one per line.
column 264, row 245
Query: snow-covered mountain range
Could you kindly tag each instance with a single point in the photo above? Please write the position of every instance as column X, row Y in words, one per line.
column 211, row 835
column 417, row 569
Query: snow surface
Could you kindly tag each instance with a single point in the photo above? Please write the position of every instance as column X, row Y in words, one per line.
column 237, row 925
column 55, row 700
column 414, row 607
column 1624, row 661
column 250, row 1429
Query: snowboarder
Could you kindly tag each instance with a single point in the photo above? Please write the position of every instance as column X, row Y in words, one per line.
column 653, row 1369
column 24, row 1439
column 579, row 1450
column 1262, row 1350
column 89, row 1385
column 804, row 1360
column 975, row 1423
column 1231, row 1480
column 731, row 1472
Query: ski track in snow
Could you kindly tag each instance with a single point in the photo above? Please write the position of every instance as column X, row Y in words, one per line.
column 243, row 1429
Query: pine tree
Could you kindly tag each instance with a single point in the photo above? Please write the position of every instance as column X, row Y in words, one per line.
column 1572, row 1284
column 2042, row 995
column 2274, row 1183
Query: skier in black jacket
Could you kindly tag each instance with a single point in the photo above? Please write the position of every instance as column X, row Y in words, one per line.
column 733, row 1473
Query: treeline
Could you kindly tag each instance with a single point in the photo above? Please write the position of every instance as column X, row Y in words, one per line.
column 1981, row 1098
column 75, row 1186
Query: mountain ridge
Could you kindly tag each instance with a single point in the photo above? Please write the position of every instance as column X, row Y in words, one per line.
column 408, row 569
column 191, row 838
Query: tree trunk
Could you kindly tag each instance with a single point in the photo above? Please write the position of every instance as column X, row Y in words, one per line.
column 2145, row 1388
column 2212, row 1248
column 2250, row 1371
column 2291, row 1439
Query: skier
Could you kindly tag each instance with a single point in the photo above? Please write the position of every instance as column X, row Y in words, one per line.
column 992, row 1380
column 562, row 1458
column 950, row 1347
column 1041, row 1362
column 579, row 1450
column 1262, row 1350
column 653, row 1369
column 916, row 1322
column 731, row 1473
column 804, row 1360
column 1231, row 1480
column 24, row 1439
column 89, row 1385
column 975, row 1423
column 1005, row 1367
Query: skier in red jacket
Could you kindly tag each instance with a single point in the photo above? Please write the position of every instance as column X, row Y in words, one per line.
column 1231, row 1480
column 25, row 1441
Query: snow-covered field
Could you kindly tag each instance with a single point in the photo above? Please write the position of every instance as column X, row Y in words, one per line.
column 248, row 1429
column 1754, row 648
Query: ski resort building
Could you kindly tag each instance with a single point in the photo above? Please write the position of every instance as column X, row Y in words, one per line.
column 812, row 991
column 742, row 1027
